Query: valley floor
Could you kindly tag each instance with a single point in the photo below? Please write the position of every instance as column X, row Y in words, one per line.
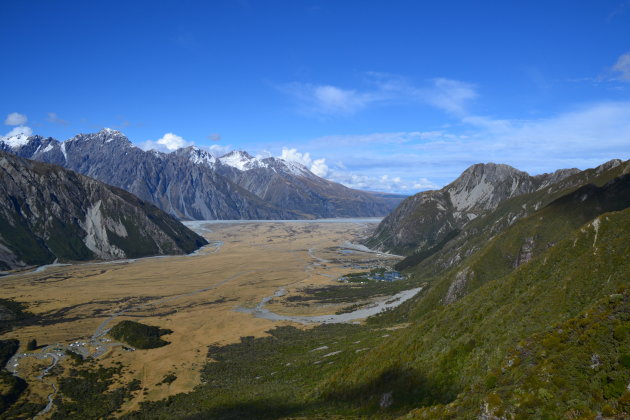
column 205, row 299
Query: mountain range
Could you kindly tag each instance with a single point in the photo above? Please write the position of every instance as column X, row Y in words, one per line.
column 192, row 184
column 48, row 213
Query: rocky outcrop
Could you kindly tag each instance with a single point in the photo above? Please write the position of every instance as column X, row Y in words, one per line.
column 526, row 253
column 48, row 213
column 192, row 184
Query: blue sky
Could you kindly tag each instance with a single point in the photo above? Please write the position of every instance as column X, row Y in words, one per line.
column 383, row 95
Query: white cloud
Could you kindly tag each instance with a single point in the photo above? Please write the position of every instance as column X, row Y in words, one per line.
column 582, row 137
column 173, row 141
column 320, row 168
column 383, row 183
column 332, row 99
column 451, row 96
column 263, row 154
column 52, row 117
column 294, row 156
column 15, row 118
column 622, row 67
column 341, row 174
column 374, row 139
column 326, row 99
column 317, row 166
column 15, row 131
column 168, row 143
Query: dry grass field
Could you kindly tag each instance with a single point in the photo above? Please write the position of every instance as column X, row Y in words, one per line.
column 195, row 296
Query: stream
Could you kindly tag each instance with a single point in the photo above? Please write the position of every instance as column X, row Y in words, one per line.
column 382, row 304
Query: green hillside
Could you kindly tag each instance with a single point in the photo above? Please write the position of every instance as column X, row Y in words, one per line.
column 457, row 346
column 577, row 369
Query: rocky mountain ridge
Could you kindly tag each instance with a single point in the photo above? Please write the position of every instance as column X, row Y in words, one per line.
column 516, row 231
column 190, row 183
column 427, row 218
column 48, row 213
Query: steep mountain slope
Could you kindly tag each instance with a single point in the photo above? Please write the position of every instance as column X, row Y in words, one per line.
column 191, row 184
column 426, row 219
column 579, row 368
column 49, row 213
column 454, row 350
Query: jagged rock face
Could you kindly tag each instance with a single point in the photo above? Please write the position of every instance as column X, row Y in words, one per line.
column 49, row 213
column 483, row 186
column 526, row 253
column 425, row 219
column 192, row 184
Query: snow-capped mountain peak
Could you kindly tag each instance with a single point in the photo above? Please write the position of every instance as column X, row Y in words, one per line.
column 15, row 141
column 293, row 168
column 242, row 161
column 200, row 185
column 197, row 156
column 105, row 135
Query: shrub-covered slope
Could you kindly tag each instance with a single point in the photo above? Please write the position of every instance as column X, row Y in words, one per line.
column 579, row 368
column 457, row 346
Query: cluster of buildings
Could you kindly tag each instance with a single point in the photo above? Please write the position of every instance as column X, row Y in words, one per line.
column 386, row 276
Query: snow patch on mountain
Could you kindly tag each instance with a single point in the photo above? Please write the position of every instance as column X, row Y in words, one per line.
column 295, row 168
column 15, row 141
column 242, row 161
column 199, row 156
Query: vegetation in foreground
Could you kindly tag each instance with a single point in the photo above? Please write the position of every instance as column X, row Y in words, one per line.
column 92, row 393
column 273, row 377
column 13, row 313
column 13, row 390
